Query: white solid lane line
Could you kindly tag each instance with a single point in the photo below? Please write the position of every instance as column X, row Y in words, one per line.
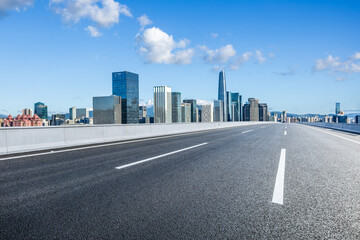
column 247, row 131
column 160, row 156
column 335, row 135
column 278, row 195
column 285, row 133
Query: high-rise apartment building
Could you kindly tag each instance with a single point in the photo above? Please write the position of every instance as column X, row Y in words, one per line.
column 337, row 108
column 186, row 112
column 126, row 85
column 162, row 104
column 107, row 110
column 251, row 110
column 222, row 93
column 194, row 113
column 207, row 114
column 27, row 111
column 218, row 111
column 176, row 107
column 263, row 112
column 41, row 110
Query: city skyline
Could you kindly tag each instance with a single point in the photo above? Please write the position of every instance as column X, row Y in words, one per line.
column 302, row 51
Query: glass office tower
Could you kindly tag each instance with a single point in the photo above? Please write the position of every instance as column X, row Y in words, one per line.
column 236, row 102
column 337, row 108
column 222, row 93
column 107, row 110
column 162, row 104
column 41, row 110
column 218, row 111
column 193, row 109
column 126, row 85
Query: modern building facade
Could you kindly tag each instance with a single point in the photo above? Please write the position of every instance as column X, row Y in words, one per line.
column 72, row 113
column 222, row 93
column 126, row 86
column 194, row 114
column 251, row 110
column 263, row 112
column 176, row 107
column 27, row 111
column 57, row 119
column 218, row 111
column 337, row 108
column 82, row 113
column 41, row 110
column 186, row 112
column 162, row 104
column 357, row 119
column 207, row 113
column 229, row 109
column 143, row 115
column 236, row 102
column 107, row 110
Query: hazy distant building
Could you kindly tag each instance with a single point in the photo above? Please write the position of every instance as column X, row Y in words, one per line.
column 176, row 107
column 222, row 93
column 107, row 110
column 218, row 111
column 283, row 116
column 186, row 112
column 337, row 108
column 340, row 119
column 162, row 104
column 27, row 111
column 126, row 85
column 357, row 119
column 263, row 112
column 57, row 119
column 143, row 115
column 236, row 102
column 251, row 110
column 82, row 113
column 41, row 110
column 193, row 109
column 72, row 113
column 207, row 113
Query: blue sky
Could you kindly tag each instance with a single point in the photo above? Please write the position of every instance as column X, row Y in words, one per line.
column 299, row 56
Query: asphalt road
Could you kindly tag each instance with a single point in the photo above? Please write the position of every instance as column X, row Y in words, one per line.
column 250, row 182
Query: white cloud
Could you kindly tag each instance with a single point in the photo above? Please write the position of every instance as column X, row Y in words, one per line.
column 144, row 21
column 103, row 12
column 156, row 46
column 271, row 55
column 6, row 5
column 94, row 32
column 356, row 56
column 240, row 60
column 221, row 55
column 334, row 64
column 214, row 35
column 260, row 56
column 203, row 102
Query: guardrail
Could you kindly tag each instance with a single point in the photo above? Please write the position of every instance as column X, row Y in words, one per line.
column 24, row 139
column 354, row 128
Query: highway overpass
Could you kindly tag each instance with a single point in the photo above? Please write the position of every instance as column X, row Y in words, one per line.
column 273, row 181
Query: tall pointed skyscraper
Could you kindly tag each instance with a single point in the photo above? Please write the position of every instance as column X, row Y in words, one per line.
column 222, row 93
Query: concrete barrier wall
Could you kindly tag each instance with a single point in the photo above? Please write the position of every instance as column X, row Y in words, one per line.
column 354, row 128
column 24, row 139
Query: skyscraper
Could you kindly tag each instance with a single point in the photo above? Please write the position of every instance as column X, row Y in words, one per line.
column 337, row 108
column 185, row 112
column 41, row 110
column 207, row 113
column 193, row 109
column 126, row 85
column 162, row 104
column 107, row 110
column 229, row 109
column 236, row 102
column 222, row 93
column 263, row 112
column 218, row 111
column 176, row 107
column 251, row 110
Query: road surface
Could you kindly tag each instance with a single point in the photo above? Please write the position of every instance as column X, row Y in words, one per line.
column 277, row 181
